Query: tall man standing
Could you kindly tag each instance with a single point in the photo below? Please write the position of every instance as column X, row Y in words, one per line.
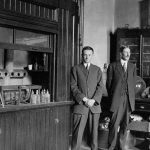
column 121, row 80
column 86, row 88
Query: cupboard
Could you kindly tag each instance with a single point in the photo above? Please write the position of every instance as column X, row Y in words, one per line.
column 42, row 38
column 39, row 127
column 56, row 25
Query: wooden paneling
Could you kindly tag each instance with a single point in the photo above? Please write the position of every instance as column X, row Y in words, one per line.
column 65, row 4
column 28, row 22
column 39, row 129
column 21, row 9
column 64, row 55
column 47, row 3
column 63, row 128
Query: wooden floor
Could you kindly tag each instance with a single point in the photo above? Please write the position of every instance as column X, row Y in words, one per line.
column 135, row 144
column 145, row 145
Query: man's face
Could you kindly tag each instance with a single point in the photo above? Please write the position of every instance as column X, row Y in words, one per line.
column 87, row 56
column 125, row 55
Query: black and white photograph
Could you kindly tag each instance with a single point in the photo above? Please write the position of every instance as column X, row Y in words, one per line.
column 74, row 74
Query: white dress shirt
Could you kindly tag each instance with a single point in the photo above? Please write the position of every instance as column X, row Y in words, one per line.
column 124, row 64
column 87, row 65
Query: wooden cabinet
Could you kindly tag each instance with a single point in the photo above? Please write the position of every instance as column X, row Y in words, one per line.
column 25, row 48
column 139, row 42
column 140, row 130
column 26, row 22
column 59, row 22
column 43, row 127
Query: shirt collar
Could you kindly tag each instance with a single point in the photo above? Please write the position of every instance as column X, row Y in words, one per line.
column 85, row 64
column 123, row 62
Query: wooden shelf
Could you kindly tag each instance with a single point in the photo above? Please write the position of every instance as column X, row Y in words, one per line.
column 135, row 53
column 146, row 61
column 21, row 107
column 146, row 77
column 37, row 71
column 133, row 45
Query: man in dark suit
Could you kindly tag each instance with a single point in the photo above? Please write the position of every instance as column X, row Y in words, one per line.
column 86, row 88
column 121, row 80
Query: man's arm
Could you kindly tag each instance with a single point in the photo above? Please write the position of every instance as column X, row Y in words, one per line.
column 134, row 76
column 77, row 94
column 99, row 88
column 109, row 79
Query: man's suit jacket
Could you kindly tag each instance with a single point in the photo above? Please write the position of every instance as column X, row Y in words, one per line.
column 86, row 83
column 114, row 84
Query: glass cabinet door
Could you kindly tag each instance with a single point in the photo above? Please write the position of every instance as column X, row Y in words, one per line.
column 31, row 38
column 134, row 45
column 146, row 58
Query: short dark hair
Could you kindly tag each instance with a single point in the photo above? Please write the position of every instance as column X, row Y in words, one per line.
column 122, row 47
column 87, row 48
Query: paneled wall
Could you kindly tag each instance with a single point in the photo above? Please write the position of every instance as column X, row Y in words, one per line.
column 30, row 8
column 64, row 55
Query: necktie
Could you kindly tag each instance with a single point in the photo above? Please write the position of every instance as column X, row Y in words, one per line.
column 125, row 67
column 87, row 67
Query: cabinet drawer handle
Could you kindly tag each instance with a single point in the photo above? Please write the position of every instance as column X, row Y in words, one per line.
column 142, row 107
column 56, row 120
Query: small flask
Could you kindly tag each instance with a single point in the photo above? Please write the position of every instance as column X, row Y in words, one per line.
column 33, row 98
column 45, row 62
column 47, row 97
column 36, row 65
column 43, row 96
column 37, row 97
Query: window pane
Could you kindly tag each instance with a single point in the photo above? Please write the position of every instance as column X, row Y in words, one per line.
column 6, row 35
column 31, row 38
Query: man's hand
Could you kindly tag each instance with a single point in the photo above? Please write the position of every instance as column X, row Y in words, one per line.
column 85, row 100
column 90, row 102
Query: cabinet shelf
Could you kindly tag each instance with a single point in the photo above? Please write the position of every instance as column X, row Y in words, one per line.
column 145, row 45
column 146, row 53
column 146, row 77
column 133, row 45
column 147, row 61
column 38, row 71
column 135, row 53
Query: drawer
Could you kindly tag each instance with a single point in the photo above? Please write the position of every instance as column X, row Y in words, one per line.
column 141, row 126
column 142, row 106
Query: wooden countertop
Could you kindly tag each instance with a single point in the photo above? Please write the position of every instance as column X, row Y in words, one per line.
column 12, row 108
